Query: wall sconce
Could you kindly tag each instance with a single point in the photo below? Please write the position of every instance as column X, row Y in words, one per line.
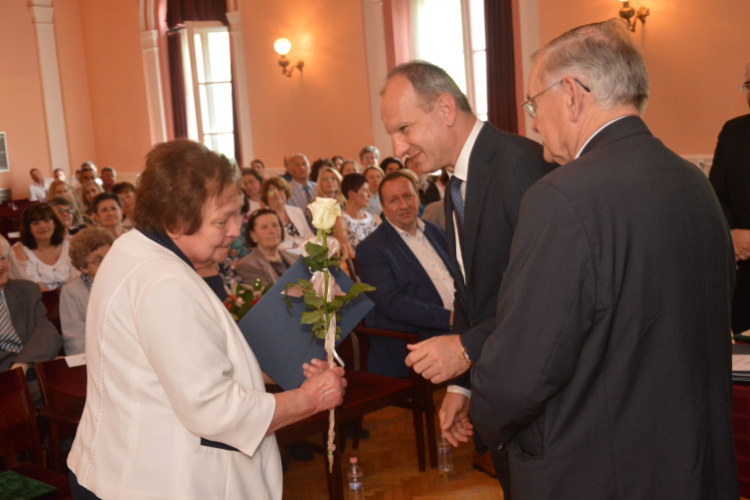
column 282, row 46
column 631, row 16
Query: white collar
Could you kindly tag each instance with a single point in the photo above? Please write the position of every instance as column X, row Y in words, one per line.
column 401, row 232
column 594, row 135
column 461, row 168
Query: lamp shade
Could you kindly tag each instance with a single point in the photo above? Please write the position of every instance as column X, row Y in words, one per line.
column 282, row 46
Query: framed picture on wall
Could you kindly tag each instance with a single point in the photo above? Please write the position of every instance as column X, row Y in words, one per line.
column 3, row 154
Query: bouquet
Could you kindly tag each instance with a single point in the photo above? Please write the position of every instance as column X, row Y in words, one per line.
column 243, row 297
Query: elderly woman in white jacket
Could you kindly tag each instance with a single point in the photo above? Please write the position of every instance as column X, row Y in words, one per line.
column 176, row 404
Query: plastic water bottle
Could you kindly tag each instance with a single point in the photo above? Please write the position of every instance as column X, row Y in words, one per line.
column 356, row 490
column 445, row 456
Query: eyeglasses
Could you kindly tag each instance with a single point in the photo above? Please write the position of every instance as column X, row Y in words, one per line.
column 745, row 87
column 96, row 261
column 531, row 108
column 63, row 211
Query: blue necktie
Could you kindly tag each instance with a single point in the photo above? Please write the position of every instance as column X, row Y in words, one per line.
column 458, row 203
column 9, row 339
column 308, row 193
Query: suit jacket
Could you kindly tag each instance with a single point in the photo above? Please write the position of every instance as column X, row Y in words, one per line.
column 405, row 298
column 430, row 194
column 41, row 341
column 255, row 265
column 730, row 177
column 502, row 166
column 609, row 372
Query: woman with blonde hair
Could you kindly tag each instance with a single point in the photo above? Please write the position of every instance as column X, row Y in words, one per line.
column 89, row 190
column 62, row 190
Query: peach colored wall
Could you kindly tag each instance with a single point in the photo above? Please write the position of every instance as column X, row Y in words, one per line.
column 21, row 109
column 75, row 83
column 695, row 53
column 323, row 111
column 117, row 89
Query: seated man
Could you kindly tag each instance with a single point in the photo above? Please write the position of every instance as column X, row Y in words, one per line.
column 107, row 212
column 109, row 178
column 406, row 260
column 26, row 335
column 38, row 189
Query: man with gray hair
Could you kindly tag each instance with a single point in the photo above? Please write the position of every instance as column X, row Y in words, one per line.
column 608, row 372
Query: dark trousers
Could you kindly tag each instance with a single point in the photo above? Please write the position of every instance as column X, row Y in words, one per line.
column 740, row 310
column 499, row 460
column 78, row 491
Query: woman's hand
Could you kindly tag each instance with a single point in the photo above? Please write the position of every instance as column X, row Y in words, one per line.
column 315, row 367
column 325, row 390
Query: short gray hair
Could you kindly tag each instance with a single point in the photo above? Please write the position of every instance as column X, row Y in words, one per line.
column 4, row 247
column 604, row 57
column 369, row 149
column 430, row 82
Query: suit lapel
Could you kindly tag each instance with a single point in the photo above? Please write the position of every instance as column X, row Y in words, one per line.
column 399, row 245
column 438, row 248
column 476, row 187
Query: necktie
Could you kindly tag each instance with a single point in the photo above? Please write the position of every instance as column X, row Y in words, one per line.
column 458, row 202
column 308, row 192
column 9, row 339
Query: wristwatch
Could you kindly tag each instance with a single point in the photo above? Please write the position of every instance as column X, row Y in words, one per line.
column 465, row 356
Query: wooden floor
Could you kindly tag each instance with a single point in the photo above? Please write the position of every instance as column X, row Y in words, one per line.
column 389, row 461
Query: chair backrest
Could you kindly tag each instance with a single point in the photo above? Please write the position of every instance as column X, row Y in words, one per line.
column 51, row 301
column 351, row 263
column 18, row 426
column 63, row 388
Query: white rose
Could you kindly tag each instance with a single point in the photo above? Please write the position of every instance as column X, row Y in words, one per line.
column 324, row 213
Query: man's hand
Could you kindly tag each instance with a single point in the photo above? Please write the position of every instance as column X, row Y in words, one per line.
column 741, row 240
column 23, row 366
column 438, row 359
column 454, row 418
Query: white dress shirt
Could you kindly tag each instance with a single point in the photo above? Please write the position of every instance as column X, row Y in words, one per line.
column 39, row 193
column 431, row 262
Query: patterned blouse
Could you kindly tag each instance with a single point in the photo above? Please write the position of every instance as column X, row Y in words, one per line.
column 359, row 229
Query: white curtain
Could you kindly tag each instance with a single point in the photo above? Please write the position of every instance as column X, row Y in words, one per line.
column 437, row 36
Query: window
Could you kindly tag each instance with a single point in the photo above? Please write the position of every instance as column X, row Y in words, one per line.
column 208, row 85
column 450, row 33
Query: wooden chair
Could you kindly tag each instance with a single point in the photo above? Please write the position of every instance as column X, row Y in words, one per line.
column 64, row 395
column 51, row 301
column 18, row 427
column 425, row 387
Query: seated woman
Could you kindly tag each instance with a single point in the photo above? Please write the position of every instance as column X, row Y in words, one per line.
column 60, row 189
column 391, row 164
column 87, row 250
column 374, row 176
column 267, row 262
column 64, row 209
column 329, row 186
column 107, row 213
column 89, row 190
column 275, row 192
column 349, row 167
column 42, row 254
column 251, row 184
column 126, row 192
column 359, row 222
column 176, row 405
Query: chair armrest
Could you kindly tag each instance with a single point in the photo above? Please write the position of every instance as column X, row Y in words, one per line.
column 409, row 338
column 58, row 417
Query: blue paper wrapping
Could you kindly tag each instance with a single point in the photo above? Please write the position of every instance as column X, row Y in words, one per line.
column 280, row 343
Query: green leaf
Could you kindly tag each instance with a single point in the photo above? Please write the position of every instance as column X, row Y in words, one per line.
column 313, row 300
column 286, row 294
column 314, row 250
column 310, row 317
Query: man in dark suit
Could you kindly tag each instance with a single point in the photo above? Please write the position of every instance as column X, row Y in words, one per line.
column 406, row 260
column 608, row 374
column 730, row 177
column 431, row 121
column 26, row 335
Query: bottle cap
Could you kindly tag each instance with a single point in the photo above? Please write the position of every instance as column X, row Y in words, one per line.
column 353, row 460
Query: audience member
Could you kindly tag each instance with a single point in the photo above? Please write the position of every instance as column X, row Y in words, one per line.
column 252, row 180
column 428, row 191
column 109, row 178
column 329, row 185
column 107, row 213
column 26, row 335
column 287, row 163
column 391, row 164
column 85, row 175
column 359, row 222
column 407, row 262
column 59, row 174
column 730, row 177
column 338, row 162
column 267, row 261
column 349, row 167
column 87, row 250
column 126, row 192
column 42, row 254
column 317, row 165
column 39, row 186
column 435, row 213
column 90, row 190
column 303, row 189
column 259, row 167
column 60, row 189
column 65, row 212
column 274, row 193
column 374, row 176
column 369, row 156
